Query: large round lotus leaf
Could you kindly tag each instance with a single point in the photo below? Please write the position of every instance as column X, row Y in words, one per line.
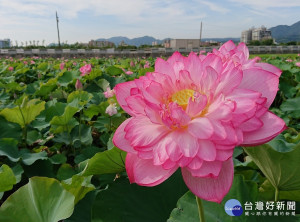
column 42, row 199
column 127, row 202
column 281, row 168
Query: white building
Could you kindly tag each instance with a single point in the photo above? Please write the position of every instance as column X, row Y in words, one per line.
column 261, row 34
column 256, row 34
column 155, row 43
column 5, row 43
column 246, row 36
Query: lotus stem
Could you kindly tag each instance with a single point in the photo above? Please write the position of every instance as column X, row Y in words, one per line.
column 200, row 209
column 80, row 127
column 276, row 194
column 24, row 130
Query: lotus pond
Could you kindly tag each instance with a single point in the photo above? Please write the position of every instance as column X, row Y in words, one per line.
column 58, row 161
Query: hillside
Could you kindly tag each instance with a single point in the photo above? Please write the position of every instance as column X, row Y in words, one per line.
column 285, row 33
column 147, row 40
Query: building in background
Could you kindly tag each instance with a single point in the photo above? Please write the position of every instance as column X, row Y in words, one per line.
column 155, row 43
column 122, row 43
column 184, row 43
column 101, row 44
column 166, row 43
column 261, row 33
column 5, row 43
column 256, row 34
column 210, row 43
column 246, row 36
column 189, row 43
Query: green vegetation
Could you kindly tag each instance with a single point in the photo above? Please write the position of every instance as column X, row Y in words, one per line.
column 58, row 162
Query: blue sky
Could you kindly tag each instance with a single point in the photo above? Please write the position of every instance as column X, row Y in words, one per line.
column 81, row 21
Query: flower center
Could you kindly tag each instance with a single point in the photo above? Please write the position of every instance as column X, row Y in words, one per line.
column 182, row 97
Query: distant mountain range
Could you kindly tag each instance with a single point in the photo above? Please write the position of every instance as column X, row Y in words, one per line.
column 223, row 40
column 147, row 40
column 281, row 33
column 285, row 33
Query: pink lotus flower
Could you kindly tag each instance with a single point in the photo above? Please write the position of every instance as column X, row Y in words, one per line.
column 132, row 63
column 62, row 66
column 32, row 62
column 109, row 92
column 111, row 109
column 289, row 60
column 129, row 72
column 297, row 64
column 147, row 65
column 78, row 84
column 191, row 113
column 25, row 62
column 239, row 55
column 11, row 68
column 86, row 69
column 257, row 59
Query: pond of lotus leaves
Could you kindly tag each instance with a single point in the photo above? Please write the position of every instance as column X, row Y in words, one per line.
column 59, row 160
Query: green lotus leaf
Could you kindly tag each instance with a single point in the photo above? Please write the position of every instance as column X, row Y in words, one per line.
column 25, row 113
column 7, row 178
column 109, row 161
column 79, row 186
column 281, row 168
column 46, row 88
column 42, row 199
column 9, row 148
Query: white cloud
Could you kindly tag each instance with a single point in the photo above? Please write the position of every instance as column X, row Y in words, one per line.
column 120, row 8
column 154, row 14
column 264, row 4
column 35, row 19
column 72, row 8
column 215, row 7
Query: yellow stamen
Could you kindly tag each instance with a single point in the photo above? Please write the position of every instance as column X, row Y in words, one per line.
column 182, row 97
